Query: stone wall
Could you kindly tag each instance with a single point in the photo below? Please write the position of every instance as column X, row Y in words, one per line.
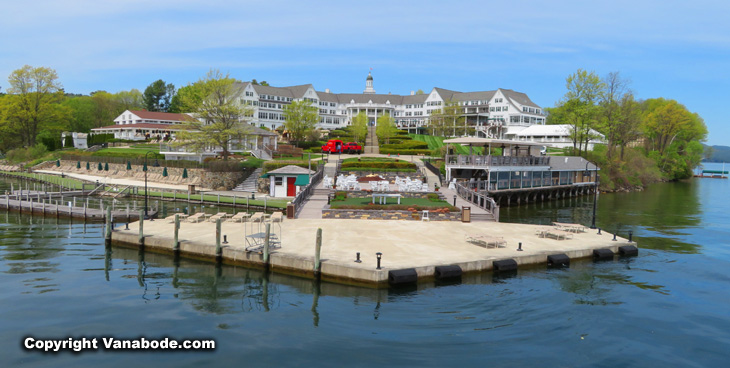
column 220, row 180
column 388, row 215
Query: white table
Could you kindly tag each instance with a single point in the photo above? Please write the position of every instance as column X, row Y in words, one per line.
column 383, row 197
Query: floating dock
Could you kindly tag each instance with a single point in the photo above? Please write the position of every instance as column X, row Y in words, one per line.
column 410, row 251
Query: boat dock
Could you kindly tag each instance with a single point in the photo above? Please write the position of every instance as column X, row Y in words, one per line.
column 53, row 204
column 409, row 251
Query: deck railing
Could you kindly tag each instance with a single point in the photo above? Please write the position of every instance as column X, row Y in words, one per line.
column 308, row 190
column 477, row 160
column 471, row 194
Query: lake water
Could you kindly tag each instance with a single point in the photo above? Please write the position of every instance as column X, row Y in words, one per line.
column 670, row 306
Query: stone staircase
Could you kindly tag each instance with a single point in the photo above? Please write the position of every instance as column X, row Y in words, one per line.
column 371, row 141
column 250, row 184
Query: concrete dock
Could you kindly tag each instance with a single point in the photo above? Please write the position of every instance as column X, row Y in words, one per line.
column 420, row 246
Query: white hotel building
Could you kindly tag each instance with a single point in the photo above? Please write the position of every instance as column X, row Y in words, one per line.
column 501, row 113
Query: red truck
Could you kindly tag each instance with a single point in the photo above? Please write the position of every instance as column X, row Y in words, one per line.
column 337, row 146
column 333, row 146
column 352, row 147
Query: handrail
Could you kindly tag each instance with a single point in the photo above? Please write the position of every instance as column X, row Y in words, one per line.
column 95, row 189
column 434, row 170
column 308, row 190
column 470, row 193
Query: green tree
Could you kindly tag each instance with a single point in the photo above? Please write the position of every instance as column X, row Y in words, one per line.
column 128, row 100
column 221, row 120
column 616, row 88
column 157, row 96
column 386, row 128
column 359, row 127
column 190, row 94
column 83, row 110
column 449, row 119
column 301, row 118
column 673, row 135
column 34, row 103
column 579, row 107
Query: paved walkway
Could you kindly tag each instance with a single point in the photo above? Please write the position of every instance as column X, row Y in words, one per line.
column 314, row 205
column 118, row 181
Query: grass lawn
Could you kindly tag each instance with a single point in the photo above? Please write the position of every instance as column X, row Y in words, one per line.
column 370, row 159
column 55, row 179
column 438, row 142
column 300, row 158
column 240, row 201
column 140, row 151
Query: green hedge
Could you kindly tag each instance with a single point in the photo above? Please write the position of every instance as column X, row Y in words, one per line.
column 389, row 151
column 273, row 165
column 378, row 165
column 406, row 145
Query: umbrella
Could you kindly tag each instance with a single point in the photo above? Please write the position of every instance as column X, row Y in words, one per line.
column 87, row 166
column 144, row 168
column 164, row 172
column 100, row 168
column 58, row 163
column 78, row 164
column 185, row 173
column 106, row 166
column 129, row 165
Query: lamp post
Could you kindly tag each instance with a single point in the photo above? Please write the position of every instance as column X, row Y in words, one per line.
column 595, row 196
column 145, row 184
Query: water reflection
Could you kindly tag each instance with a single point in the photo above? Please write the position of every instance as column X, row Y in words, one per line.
column 661, row 217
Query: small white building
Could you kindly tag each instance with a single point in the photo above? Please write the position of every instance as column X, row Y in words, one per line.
column 558, row 136
column 288, row 180
column 139, row 125
column 79, row 139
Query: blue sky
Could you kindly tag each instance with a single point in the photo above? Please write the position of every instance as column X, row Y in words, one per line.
column 671, row 49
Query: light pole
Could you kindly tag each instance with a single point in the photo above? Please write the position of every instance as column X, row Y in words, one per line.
column 595, row 195
column 145, row 184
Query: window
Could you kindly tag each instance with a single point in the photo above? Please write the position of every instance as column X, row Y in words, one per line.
column 278, row 180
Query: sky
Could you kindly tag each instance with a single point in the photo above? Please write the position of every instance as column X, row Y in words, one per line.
column 673, row 49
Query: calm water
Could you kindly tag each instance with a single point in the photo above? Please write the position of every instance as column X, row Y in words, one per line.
column 667, row 307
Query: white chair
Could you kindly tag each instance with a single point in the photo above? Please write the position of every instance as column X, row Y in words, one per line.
column 424, row 216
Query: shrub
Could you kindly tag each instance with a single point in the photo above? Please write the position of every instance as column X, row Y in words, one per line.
column 378, row 165
column 433, row 197
column 273, row 165
column 26, row 154
column 252, row 162
column 389, row 151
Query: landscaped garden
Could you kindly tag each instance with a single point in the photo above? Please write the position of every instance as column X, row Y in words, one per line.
column 432, row 203
column 382, row 164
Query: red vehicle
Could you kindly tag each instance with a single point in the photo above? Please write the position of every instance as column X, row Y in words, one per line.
column 333, row 146
column 352, row 147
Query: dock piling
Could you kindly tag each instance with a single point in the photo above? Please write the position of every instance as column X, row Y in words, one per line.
column 108, row 228
column 267, row 239
column 176, row 242
column 218, row 249
column 317, row 252
column 141, row 228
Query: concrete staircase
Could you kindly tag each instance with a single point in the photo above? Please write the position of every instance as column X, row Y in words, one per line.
column 250, row 184
column 371, row 141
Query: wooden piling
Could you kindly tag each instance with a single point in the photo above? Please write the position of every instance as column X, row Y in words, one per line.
column 176, row 242
column 108, row 220
column 141, row 228
column 218, row 249
column 317, row 252
column 267, row 240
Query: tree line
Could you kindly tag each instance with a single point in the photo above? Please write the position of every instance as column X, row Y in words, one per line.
column 656, row 137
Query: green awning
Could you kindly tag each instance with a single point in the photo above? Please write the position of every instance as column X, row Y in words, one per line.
column 302, row 180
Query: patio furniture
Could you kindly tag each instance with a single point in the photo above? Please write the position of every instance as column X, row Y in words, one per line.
column 559, row 234
column 383, row 197
column 240, row 217
column 198, row 217
column 486, row 241
column 574, row 228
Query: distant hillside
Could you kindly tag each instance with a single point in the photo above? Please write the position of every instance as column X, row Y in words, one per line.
column 719, row 154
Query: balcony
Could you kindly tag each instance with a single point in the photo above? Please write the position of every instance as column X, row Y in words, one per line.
column 491, row 161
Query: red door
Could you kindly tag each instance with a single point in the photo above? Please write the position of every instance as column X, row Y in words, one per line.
column 291, row 190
